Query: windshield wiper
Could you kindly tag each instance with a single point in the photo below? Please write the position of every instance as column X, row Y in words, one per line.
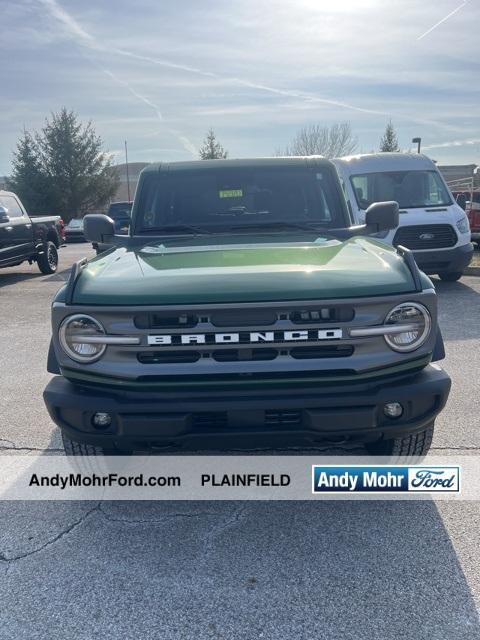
column 174, row 228
column 280, row 225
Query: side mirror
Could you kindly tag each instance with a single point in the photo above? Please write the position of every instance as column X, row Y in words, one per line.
column 462, row 201
column 4, row 215
column 382, row 216
column 98, row 228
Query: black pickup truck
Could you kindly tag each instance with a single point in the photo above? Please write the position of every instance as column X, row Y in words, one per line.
column 23, row 237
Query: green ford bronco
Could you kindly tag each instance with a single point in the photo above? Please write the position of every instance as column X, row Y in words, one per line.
column 244, row 310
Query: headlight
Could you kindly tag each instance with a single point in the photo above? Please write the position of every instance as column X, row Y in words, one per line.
column 81, row 338
column 463, row 225
column 417, row 322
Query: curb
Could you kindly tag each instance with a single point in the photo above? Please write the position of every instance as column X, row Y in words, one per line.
column 471, row 271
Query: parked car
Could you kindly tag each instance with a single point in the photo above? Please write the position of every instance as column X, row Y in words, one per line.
column 27, row 238
column 431, row 223
column 244, row 309
column 74, row 231
column 120, row 213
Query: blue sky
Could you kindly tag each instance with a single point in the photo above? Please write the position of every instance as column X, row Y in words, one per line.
column 161, row 72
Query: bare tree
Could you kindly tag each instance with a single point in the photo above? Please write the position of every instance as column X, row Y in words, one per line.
column 330, row 142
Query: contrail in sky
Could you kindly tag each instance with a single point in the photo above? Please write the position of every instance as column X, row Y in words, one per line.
column 82, row 36
column 79, row 34
column 85, row 39
column 443, row 19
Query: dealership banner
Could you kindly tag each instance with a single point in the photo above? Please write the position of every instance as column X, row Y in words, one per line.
column 232, row 477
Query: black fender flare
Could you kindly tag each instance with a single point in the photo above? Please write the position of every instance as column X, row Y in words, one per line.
column 439, row 348
column 52, row 362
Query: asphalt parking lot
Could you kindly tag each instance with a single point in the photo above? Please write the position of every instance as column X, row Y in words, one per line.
column 232, row 570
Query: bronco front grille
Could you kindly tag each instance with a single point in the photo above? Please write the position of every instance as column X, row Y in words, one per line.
column 239, row 318
column 244, row 355
column 426, row 236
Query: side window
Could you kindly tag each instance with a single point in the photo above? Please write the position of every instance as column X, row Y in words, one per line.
column 362, row 189
column 11, row 203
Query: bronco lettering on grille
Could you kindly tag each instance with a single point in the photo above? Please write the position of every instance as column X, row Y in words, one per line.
column 246, row 337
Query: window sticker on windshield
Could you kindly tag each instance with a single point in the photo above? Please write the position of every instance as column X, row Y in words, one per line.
column 231, row 193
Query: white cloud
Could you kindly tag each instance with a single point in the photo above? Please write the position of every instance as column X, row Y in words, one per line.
column 255, row 70
column 454, row 143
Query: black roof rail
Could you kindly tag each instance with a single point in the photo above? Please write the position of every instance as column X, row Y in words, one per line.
column 77, row 269
column 407, row 255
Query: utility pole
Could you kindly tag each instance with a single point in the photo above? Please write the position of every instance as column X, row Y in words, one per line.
column 128, row 176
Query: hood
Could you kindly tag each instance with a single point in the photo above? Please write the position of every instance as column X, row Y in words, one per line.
column 172, row 273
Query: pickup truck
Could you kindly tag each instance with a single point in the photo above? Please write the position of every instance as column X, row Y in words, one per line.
column 24, row 237
column 470, row 201
column 242, row 310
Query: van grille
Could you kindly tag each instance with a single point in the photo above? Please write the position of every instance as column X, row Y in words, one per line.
column 428, row 236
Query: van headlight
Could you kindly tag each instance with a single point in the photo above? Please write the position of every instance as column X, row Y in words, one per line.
column 463, row 225
column 413, row 322
column 81, row 337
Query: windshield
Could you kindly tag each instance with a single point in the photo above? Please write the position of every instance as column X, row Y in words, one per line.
column 410, row 189
column 228, row 198
column 75, row 224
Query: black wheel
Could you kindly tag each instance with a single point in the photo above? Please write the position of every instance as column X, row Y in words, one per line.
column 450, row 276
column 48, row 260
column 416, row 445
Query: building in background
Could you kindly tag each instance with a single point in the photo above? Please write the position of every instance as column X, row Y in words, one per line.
column 134, row 169
column 458, row 172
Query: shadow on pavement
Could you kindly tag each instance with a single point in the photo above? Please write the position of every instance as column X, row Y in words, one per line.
column 7, row 279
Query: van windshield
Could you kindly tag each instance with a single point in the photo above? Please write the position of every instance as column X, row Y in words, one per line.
column 411, row 189
column 239, row 197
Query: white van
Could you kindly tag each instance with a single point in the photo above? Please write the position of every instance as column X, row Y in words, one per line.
column 432, row 225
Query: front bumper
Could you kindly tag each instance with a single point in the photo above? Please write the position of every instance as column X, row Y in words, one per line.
column 444, row 260
column 248, row 420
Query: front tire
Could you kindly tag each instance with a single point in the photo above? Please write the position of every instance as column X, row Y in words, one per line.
column 450, row 276
column 73, row 448
column 415, row 445
column 48, row 260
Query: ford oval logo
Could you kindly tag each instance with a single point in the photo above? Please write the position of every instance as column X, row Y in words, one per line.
column 426, row 236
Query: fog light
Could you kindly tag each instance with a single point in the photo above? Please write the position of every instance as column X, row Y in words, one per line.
column 393, row 409
column 101, row 420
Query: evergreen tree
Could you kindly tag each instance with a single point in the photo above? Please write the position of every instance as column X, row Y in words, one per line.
column 389, row 141
column 211, row 148
column 28, row 179
column 79, row 172
column 62, row 169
